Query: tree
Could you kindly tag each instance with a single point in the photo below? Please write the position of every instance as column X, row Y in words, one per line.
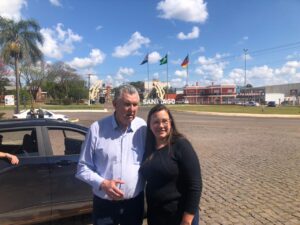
column 4, row 81
column 18, row 41
column 64, row 83
column 139, row 85
column 77, row 90
column 34, row 77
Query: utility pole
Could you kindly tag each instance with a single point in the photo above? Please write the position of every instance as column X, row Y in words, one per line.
column 245, row 69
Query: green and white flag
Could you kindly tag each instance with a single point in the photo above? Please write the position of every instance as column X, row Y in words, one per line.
column 164, row 60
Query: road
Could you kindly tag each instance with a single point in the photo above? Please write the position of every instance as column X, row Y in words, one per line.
column 250, row 166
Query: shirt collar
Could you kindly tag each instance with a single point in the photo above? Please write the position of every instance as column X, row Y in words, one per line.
column 115, row 125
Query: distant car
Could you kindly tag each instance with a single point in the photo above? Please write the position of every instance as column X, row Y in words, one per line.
column 271, row 104
column 25, row 114
column 252, row 103
column 182, row 101
column 42, row 187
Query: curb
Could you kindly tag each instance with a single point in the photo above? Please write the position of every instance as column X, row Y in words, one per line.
column 242, row 114
column 79, row 110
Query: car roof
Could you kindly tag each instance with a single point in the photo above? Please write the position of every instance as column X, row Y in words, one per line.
column 8, row 123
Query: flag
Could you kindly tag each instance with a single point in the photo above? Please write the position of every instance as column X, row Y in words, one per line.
column 185, row 62
column 145, row 60
column 164, row 60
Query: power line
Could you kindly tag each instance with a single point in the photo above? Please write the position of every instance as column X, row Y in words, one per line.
column 226, row 59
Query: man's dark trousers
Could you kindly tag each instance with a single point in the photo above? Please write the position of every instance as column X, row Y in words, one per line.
column 123, row 212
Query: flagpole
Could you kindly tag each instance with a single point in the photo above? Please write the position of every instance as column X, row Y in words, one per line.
column 148, row 76
column 167, row 78
column 187, row 71
column 187, row 75
column 146, row 60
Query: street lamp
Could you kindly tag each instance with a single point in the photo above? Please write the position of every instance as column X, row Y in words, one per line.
column 245, row 69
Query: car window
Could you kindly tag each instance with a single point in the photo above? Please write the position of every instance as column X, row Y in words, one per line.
column 65, row 142
column 20, row 142
column 46, row 113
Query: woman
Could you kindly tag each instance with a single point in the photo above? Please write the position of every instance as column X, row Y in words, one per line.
column 12, row 158
column 172, row 172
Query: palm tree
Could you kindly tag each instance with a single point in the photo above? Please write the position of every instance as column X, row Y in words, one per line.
column 18, row 42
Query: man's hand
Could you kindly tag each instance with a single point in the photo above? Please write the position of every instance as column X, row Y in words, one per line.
column 110, row 187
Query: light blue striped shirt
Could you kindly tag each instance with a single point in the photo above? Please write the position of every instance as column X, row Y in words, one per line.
column 109, row 152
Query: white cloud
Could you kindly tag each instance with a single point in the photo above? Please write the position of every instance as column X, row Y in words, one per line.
column 289, row 69
column 265, row 75
column 96, row 57
column 120, row 77
column 11, row 9
column 125, row 71
column 199, row 50
column 55, row 3
column 89, row 73
column 93, row 79
column 248, row 57
column 109, row 80
column 114, row 81
column 260, row 72
column 181, row 73
column 132, row 46
column 176, row 62
column 58, row 41
column 177, row 83
column 243, row 40
column 192, row 35
column 99, row 27
column 212, row 69
column 236, row 76
column 187, row 10
column 294, row 55
column 154, row 57
column 155, row 75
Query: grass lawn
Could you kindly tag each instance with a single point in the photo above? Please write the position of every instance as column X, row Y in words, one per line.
column 287, row 110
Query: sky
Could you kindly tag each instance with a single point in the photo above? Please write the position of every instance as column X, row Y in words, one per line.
column 228, row 42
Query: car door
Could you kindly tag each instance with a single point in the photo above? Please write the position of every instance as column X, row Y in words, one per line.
column 48, row 115
column 68, row 193
column 24, row 188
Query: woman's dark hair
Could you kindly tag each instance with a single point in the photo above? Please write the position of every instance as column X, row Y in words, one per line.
column 150, row 138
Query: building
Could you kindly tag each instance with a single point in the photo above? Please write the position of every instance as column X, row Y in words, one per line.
column 291, row 93
column 230, row 93
column 212, row 94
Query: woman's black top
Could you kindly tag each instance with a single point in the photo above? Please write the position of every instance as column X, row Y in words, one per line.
column 173, row 177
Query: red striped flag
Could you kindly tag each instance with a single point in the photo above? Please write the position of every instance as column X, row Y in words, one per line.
column 185, row 62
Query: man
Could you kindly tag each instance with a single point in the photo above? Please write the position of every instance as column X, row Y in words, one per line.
column 40, row 113
column 110, row 160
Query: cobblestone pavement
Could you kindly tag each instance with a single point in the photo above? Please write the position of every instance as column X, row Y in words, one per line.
column 250, row 168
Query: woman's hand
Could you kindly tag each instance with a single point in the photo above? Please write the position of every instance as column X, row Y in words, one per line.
column 12, row 158
column 187, row 219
